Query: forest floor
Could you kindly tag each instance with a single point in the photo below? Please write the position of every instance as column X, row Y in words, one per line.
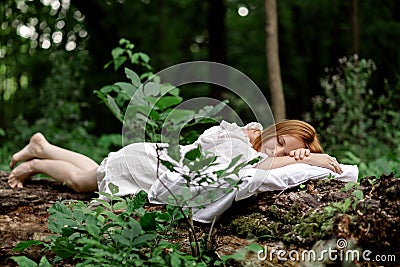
column 343, row 226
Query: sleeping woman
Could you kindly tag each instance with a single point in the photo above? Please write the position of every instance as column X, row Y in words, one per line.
column 290, row 154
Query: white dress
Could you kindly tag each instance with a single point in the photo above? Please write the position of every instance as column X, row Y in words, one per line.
column 135, row 167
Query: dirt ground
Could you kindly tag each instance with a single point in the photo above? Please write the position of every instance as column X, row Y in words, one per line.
column 311, row 216
column 23, row 212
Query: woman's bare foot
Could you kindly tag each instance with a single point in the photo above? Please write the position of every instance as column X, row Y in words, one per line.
column 33, row 150
column 20, row 174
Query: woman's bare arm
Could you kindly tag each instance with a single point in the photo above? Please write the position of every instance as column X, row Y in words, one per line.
column 315, row 159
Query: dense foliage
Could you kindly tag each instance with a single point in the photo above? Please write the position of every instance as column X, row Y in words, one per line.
column 103, row 236
column 354, row 122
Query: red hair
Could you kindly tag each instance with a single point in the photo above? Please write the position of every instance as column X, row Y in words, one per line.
column 296, row 128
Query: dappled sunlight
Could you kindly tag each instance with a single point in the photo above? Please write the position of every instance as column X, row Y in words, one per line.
column 44, row 33
column 243, row 11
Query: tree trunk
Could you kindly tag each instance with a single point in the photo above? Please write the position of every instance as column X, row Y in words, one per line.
column 217, row 41
column 356, row 42
column 273, row 65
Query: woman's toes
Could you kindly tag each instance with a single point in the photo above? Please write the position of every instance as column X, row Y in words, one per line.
column 12, row 182
column 20, row 174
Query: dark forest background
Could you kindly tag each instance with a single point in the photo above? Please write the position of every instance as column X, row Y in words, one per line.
column 53, row 53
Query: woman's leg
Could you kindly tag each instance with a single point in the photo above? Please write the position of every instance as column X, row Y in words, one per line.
column 62, row 171
column 40, row 148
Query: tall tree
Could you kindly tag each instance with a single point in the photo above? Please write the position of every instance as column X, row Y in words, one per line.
column 272, row 54
column 216, row 40
column 354, row 19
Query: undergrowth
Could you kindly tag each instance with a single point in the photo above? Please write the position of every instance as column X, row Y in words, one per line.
column 116, row 233
column 356, row 124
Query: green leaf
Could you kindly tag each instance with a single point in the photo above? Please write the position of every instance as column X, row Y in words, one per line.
column 126, row 42
column 113, row 188
column 91, row 226
column 163, row 217
column 116, row 52
column 168, row 101
column 79, row 215
column 254, row 247
column 108, row 64
column 348, row 186
column 127, row 88
column 21, row 246
column 151, row 89
column 144, row 57
column 239, row 256
column 104, row 203
column 193, row 154
column 181, row 115
column 59, row 225
column 234, row 161
column 112, row 105
column 170, row 166
column 60, row 210
column 201, row 163
column 143, row 109
column 120, row 205
column 138, row 201
column 346, row 205
column 358, row 194
column 63, row 248
column 121, row 239
column 148, row 221
column 169, row 88
column 174, row 210
column 154, row 116
column 108, row 89
column 134, row 230
column 210, row 111
column 143, row 239
column 44, row 262
column 135, row 80
column 175, row 260
column 24, row 261
column 118, row 62
column 60, row 217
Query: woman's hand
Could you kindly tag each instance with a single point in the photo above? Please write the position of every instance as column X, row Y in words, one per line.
column 300, row 153
column 315, row 159
column 325, row 161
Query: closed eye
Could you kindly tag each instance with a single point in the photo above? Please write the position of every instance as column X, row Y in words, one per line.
column 281, row 141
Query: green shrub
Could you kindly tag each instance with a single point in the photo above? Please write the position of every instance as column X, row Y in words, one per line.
column 355, row 124
column 99, row 236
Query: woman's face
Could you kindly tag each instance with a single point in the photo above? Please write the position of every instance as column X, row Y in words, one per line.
column 281, row 146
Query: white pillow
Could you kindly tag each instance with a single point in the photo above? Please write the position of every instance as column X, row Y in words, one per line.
column 258, row 180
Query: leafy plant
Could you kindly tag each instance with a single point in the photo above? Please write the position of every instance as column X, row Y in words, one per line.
column 115, row 233
column 354, row 123
column 149, row 110
column 124, row 53
column 199, row 171
column 240, row 255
